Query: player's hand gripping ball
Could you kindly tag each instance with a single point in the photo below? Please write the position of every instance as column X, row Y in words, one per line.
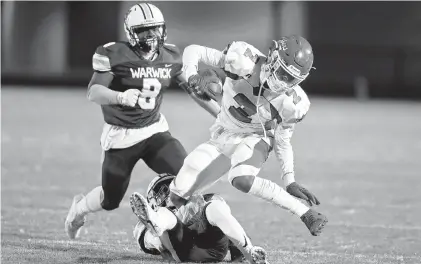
column 206, row 85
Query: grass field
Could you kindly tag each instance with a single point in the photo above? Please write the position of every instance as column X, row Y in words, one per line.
column 363, row 160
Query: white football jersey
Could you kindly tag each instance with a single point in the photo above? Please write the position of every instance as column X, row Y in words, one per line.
column 242, row 110
column 241, row 107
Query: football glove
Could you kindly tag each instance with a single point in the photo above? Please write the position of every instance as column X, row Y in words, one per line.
column 129, row 97
column 198, row 84
column 300, row 192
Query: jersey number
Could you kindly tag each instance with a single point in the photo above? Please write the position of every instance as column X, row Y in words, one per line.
column 295, row 98
column 150, row 90
column 245, row 110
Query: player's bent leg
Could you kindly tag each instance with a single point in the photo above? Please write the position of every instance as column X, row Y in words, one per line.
column 116, row 172
column 149, row 243
column 116, row 169
column 272, row 192
column 164, row 154
column 174, row 236
column 146, row 241
column 246, row 161
column 155, row 221
column 202, row 167
column 81, row 206
column 219, row 214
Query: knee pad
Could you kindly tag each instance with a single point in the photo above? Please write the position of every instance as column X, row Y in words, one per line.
column 201, row 157
column 242, row 170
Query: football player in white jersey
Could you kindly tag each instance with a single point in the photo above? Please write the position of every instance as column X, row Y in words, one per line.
column 202, row 231
column 261, row 104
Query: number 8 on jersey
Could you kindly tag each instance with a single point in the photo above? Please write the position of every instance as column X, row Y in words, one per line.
column 150, row 90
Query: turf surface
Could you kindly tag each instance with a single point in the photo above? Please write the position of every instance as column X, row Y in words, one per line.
column 362, row 160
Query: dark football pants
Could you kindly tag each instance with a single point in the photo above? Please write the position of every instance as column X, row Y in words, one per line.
column 191, row 247
column 161, row 152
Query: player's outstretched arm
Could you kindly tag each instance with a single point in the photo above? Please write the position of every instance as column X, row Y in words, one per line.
column 219, row 214
column 285, row 155
column 193, row 54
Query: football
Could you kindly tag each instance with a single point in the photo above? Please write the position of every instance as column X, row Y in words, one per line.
column 215, row 88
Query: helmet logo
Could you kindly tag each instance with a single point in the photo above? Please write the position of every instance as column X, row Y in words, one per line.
column 283, row 45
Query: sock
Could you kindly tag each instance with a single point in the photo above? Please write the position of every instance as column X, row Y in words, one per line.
column 165, row 219
column 91, row 202
column 273, row 193
column 152, row 242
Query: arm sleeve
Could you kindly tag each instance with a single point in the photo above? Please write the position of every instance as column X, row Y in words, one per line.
column 98, row 90
column 194, row 54
column 100, row 62
column 284, row 153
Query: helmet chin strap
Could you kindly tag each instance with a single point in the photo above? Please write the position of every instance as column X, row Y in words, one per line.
column 148, row 55
column 257, row 109
column 144, row 48
column 262, row 83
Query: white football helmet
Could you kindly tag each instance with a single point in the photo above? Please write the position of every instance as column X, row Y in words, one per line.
column 289, row 63
column 158, row 192
column 145, row 27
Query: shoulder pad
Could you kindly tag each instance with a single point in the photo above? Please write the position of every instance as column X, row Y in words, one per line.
column 172, row 49
column 240, row 58
column 172, row 54
column 295, row 105
column 101, row 60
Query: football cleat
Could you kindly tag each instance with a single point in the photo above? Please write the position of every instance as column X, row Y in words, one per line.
column 258, row 255
column 314, row 221
column 74, row 221
column 145, row 213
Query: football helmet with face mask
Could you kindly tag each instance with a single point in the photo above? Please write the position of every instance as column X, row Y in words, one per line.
column 288, row 63
column 158, row 192
column 145, row 28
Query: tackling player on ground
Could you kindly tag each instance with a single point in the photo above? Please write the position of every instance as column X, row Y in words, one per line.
column 128, row 82
column 199, row 232
column 261, row 104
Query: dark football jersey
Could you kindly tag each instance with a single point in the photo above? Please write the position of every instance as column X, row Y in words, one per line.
column 130, row 71
column 201, row 241
column 207, row 235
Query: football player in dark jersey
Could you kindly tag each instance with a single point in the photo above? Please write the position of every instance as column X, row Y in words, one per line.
column 204, row 230
column 128, row 83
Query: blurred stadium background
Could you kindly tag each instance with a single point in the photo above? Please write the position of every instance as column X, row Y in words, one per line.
column 362, row 159
column 356, row 44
